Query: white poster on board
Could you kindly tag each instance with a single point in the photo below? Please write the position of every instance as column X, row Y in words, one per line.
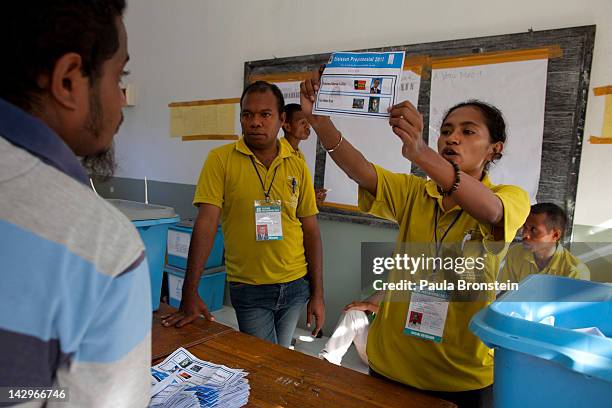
column 291, row 93
column 375, row 140
column 518, row 89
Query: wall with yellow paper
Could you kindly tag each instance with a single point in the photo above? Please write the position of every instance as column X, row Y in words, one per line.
column 607, row 121
column 606, row 129
column 204, row 120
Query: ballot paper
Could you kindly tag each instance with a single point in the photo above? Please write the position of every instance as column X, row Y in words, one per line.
column 593, row 331
column 182, row 380
column 359, row 84
column 550, row 321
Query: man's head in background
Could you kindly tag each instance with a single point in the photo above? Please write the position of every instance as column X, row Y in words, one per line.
column 296, row 126
column 297, row 129
column 544, row 227
column 63, row 61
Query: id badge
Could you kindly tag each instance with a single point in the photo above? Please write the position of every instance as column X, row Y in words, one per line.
column 268, row 226
column 427, row 315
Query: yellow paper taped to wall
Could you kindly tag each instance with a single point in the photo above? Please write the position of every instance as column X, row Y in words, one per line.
column 606, row 131
column 202, row 120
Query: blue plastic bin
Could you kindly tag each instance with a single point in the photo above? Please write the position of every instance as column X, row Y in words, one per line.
column 211, row 288
column 179, row 237
column 538, row 365
column 152, row 222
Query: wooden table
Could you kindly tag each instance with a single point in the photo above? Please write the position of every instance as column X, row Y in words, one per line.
column 168, row 339
column 280, row 377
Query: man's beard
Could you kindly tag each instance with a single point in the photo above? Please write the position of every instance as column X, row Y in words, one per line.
column 100, row 166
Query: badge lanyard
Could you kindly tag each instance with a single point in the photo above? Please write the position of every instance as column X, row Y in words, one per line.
column 266, row 193
column 439, row 244
column 427, row 311
column 268, row 218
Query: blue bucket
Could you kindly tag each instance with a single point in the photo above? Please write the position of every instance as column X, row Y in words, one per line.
column 211, row 288
column 538, row 365
column 152, row 222
column 179, row 238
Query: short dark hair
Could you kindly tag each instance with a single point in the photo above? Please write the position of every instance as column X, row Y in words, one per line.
column 494, row 120
column 34, row 34
column 555, row 216
column 261, row 87
column 290, row 109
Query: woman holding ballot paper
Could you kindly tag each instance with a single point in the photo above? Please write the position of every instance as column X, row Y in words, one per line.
column 414, row 341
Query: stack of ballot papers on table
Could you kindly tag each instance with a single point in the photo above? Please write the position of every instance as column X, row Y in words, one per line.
column 184, row 381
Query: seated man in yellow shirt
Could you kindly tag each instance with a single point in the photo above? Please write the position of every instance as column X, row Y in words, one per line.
column 540, row 251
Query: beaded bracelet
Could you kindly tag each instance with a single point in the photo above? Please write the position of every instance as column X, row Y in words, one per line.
column 455, row 185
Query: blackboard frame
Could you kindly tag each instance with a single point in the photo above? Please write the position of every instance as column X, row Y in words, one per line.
column 567, row 92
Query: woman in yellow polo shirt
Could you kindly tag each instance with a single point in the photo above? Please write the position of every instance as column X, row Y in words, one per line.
column 458, row 204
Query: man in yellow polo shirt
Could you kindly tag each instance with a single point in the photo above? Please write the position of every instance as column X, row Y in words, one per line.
column 540, row 251
column 264, row 195
column 297, row 129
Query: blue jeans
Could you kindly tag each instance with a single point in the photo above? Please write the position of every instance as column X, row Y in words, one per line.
column 270, row 312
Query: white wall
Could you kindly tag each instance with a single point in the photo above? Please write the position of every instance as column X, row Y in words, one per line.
column 195, row 49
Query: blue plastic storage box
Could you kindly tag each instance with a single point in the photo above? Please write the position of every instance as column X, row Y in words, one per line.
column 538, row 365
column 179, row 237
column 211, row 289
column 152, row 222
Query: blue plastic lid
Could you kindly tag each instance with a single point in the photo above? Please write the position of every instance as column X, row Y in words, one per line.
column 148, row 223
column 574, row 303
column 186, row 225
column 137, row 211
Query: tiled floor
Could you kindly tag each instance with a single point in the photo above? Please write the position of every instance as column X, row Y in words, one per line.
column 304, row 343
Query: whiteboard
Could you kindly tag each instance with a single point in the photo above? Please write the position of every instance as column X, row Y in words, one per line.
column 375, row 140
column 518, row 89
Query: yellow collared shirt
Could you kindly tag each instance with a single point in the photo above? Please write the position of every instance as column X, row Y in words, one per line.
column 297, row 152
column 521, row 263
column 229, row 181
column 461, row 361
